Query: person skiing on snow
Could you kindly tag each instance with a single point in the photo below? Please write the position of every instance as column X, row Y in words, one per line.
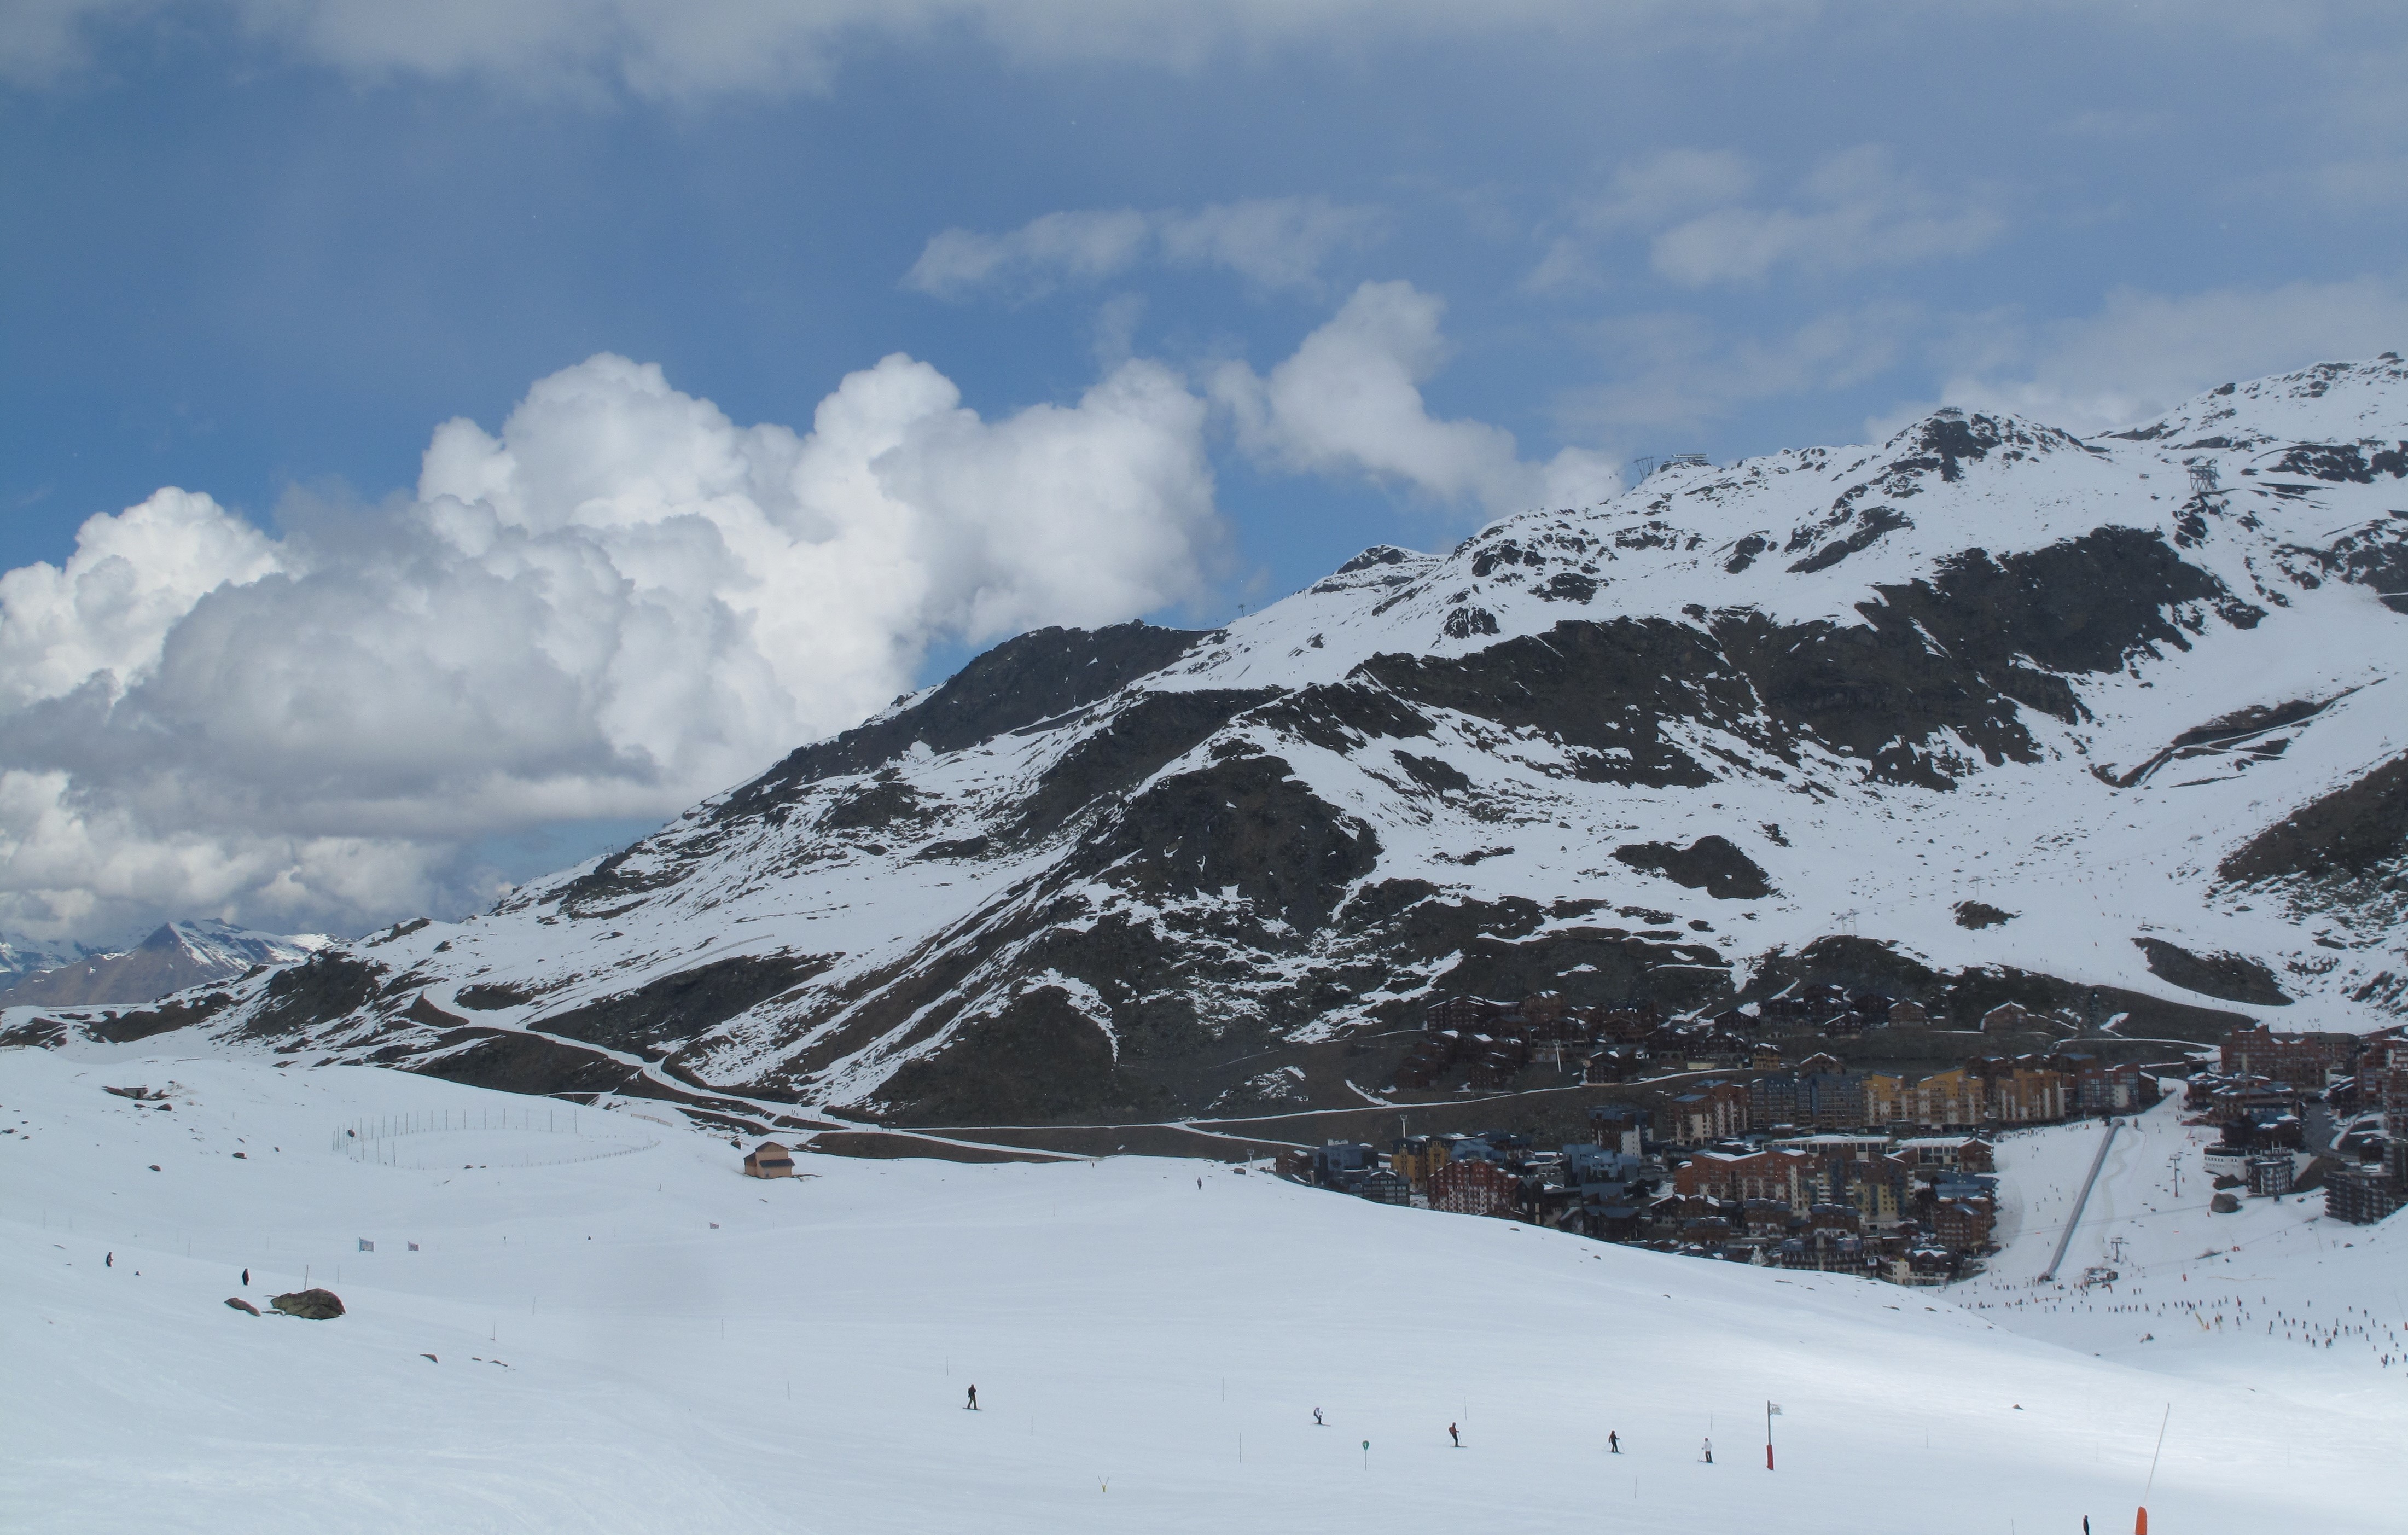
column 1613, row 1443
column 1316, row 1419
column 1710, row 1452
column 246, row 1276
column 109, row 1261
column 1453, row 1435
column 972, row 1405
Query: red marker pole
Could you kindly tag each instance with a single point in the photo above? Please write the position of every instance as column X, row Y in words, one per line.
column 1770, row 1410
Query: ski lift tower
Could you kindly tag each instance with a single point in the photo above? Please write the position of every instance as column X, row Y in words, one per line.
column 2202, row 477
column 1641, row 467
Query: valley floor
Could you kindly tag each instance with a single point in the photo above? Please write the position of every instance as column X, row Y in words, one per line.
column 1149, row 1337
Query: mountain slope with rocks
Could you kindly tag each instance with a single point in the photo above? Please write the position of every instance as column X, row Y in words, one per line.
column 1986, row 710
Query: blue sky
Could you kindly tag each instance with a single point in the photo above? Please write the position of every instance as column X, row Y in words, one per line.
column 262, row 249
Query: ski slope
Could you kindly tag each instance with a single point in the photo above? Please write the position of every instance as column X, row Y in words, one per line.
column 648, row 1341
column 2197, row 1291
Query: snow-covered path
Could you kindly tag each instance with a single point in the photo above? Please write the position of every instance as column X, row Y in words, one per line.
column 717, row 1354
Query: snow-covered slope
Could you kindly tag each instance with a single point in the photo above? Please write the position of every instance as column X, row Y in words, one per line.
column 2266, row 1297
column 721, row 1354
column 2108, row 723
column 177, row 956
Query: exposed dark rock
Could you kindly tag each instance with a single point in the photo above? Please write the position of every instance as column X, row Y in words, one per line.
column 1620, row 967
column 887, row 805
column 1244, row 823
column 240, row 1304
column 325, row 985
column 2226, row 977
column 1607, row 686
column 1147, row 733
column 607, row 888
column 181, row 1013
column 1432, row 774
column 1021, row 682
column 686, row 1003
column 421, row 1010
column 484, row 998
column 2353, row 833
column 2223, row 1204
column 1342, row 718
column 2218, row 735
column 967, row 847
column 1878, row 690
column 2376, row 557
column 313, row 1305
column 1870, row 525
column 2344, row 462
column 511, row 1062
column 1979, row 914
column 1712, row 864
column 1958, row 998
column 1041, row 1060
column 1464, row 622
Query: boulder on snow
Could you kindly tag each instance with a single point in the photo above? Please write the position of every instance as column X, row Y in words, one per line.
column 240, row 1304
column 310, row 1305
column 2224, row 1204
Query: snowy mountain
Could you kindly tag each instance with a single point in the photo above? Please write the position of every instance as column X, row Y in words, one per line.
column 21, row 956
column 177, row 956
column 1985, row 710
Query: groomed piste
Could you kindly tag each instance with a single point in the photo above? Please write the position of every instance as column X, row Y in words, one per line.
column 651, row 1342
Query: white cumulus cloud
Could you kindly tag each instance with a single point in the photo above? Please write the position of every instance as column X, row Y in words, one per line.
column 619, row 603
column 1349, row 402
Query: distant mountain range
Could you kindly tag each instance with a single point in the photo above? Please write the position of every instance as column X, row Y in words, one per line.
column 1986, row 712
column 178, row 955
column 23, row 956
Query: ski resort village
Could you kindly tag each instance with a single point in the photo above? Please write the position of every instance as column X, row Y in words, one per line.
column 1739, row 1153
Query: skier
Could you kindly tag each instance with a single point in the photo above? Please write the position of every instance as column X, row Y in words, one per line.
column 1453, row 1435
column 1316, row 1419
column 972, row 1405
column 1613, row 1443
column 246, row 1278
column 1710, row 1452
column 109, row 1261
